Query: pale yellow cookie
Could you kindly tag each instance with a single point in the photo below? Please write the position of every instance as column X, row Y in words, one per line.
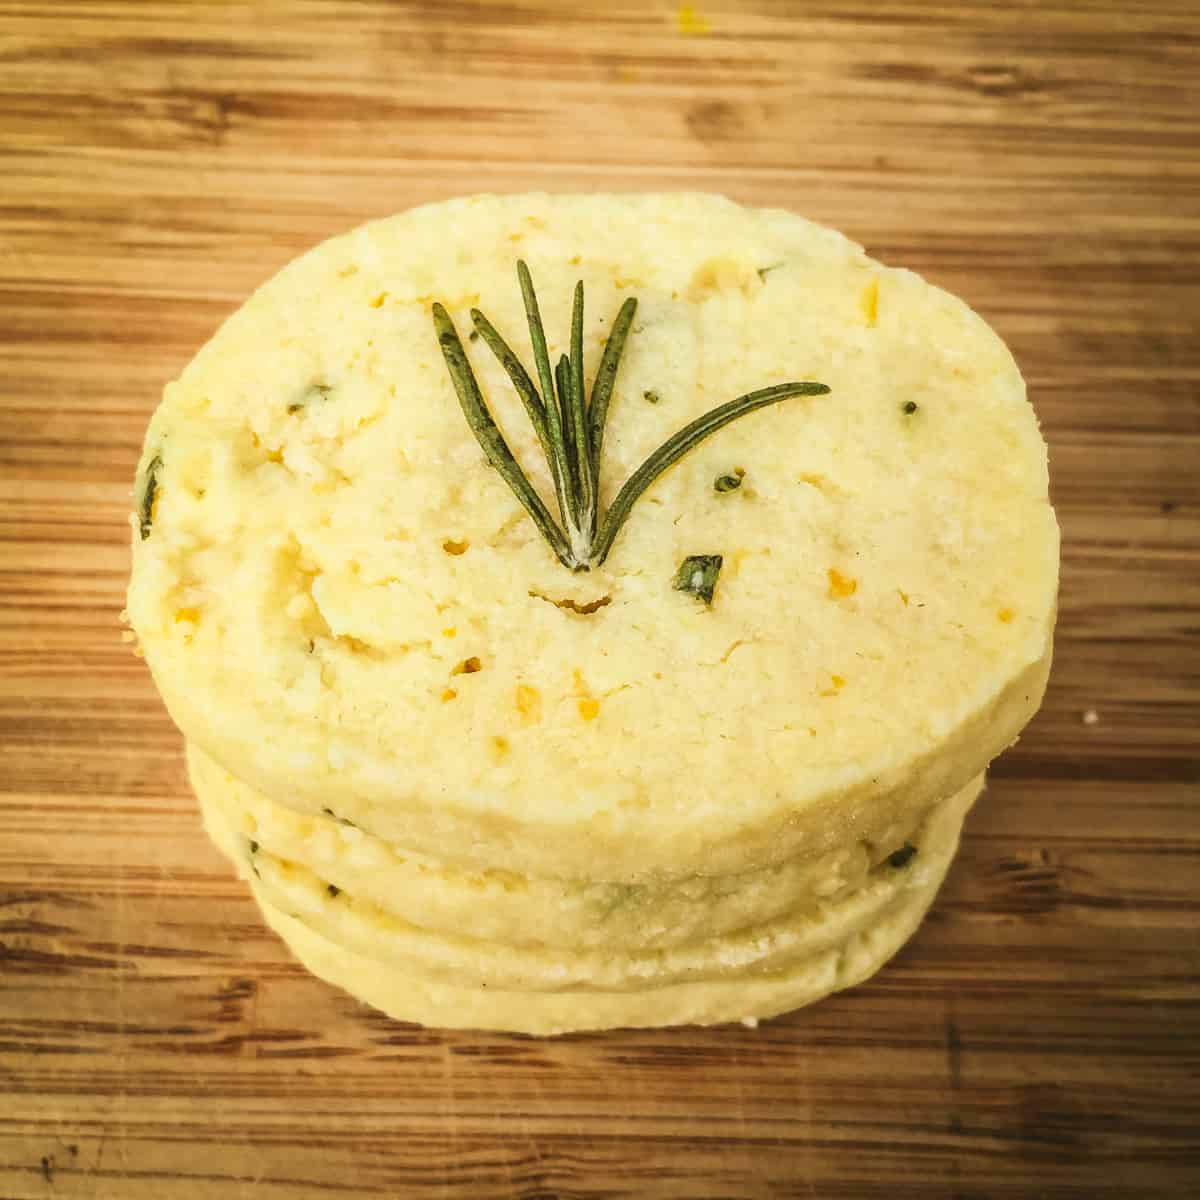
column 348, row 609
column 751, row 998
column 775, row 948
column 519, row 910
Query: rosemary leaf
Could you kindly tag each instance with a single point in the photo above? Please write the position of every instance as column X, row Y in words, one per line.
column 488, row 434
column 585, row 482
column 554, row 419
column 697, row 575
column 526, row 389
column 562, row 379
column 606, row 378
column 149, row 491
column 508, row 359
column 903, row 856
column 676, row 446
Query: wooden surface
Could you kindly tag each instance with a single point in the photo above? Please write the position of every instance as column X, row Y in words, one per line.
column 1041, row 1035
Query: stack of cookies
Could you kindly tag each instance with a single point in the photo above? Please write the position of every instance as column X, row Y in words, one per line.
column 533, row 685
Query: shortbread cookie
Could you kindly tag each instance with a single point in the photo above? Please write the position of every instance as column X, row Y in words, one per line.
column 520, row 910
column 467, row 960
column 745, row 995
column 347, row 608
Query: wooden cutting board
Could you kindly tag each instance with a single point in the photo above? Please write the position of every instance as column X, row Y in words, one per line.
column 1041, row 1035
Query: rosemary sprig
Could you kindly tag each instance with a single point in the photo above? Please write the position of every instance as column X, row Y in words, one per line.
column 571, row 430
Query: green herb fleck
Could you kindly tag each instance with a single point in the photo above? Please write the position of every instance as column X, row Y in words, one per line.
column 730, row 482
column 697, row 575
column 650, row 396
column 313, row 394
column 334, row 891
column 253, row 846
column 903, row 856
column 910, row 407
column 149, row 492
column 763, row 272
column 340, row 820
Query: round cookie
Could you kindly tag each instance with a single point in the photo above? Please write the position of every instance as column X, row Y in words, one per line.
column 500, row 906
column 348, row 609
column 444, row 1006
column 752, row 998
column 465, row 960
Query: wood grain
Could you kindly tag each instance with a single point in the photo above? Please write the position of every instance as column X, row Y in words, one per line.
column 1041, row 1035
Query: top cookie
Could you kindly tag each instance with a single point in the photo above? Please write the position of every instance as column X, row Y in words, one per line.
column 346, row 606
